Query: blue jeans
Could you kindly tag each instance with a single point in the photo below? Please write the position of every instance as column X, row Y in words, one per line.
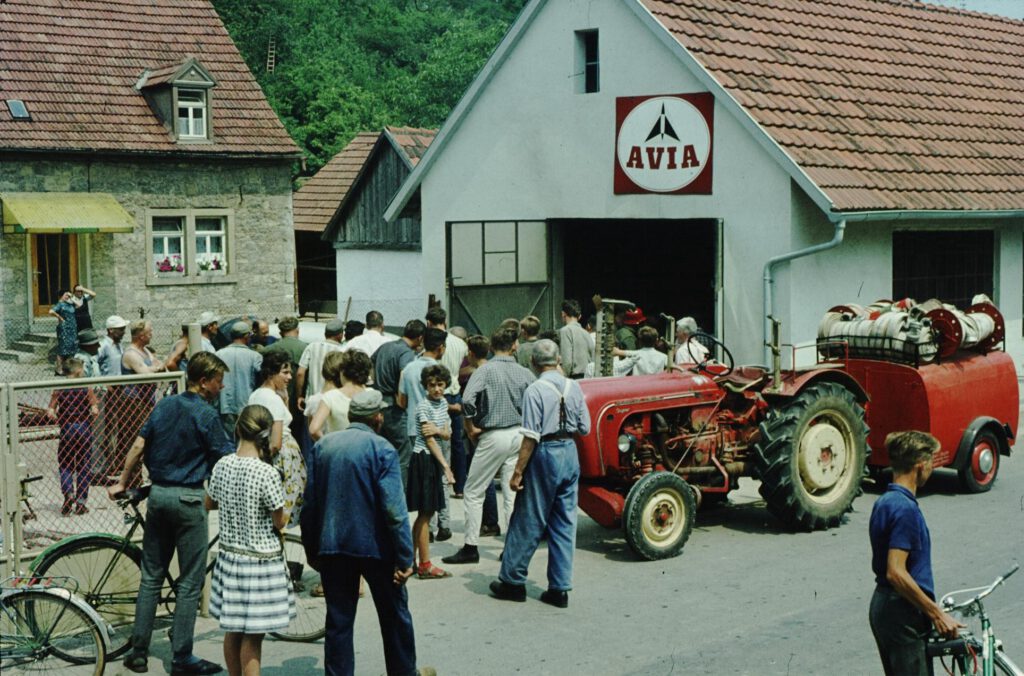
column 547, row 502
column 175, row 520
column 458, row 463
column 394, row 430
column 340, row 575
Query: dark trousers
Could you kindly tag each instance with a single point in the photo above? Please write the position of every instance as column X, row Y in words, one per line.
column 74, row 460
column 900, row 632
column 175, row 521
column 340, row 575
column 458, row 463
column 394, row 430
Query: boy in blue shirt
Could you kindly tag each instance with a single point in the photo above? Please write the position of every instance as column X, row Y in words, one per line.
column 903, row 607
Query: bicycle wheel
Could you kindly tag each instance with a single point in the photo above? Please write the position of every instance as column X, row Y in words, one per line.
column 109, row 577
column 310, row 623
column 1004, row 665
column 45, row 632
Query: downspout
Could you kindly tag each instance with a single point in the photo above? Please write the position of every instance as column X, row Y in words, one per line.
column 837, row 239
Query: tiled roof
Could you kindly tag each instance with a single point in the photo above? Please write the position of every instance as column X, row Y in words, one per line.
column 320, row 197
column 885, row 104
column 414, row 141
column 75, row 64
column 316, row 202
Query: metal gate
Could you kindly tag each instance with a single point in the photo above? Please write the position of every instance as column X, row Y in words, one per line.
column 60, row 433
column 497, row 270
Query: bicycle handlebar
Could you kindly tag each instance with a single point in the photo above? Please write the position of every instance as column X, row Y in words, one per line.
column 949, row 604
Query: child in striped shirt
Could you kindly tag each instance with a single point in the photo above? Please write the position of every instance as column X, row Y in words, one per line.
column 424, row 492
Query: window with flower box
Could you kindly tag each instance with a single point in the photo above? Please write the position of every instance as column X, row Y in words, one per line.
column 190, row 246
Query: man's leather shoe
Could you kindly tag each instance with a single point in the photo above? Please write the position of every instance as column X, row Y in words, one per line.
column 508, row 592
column 464, row 555
column 490, row 530
column 137, row 663
column 556, row 598
column 200, row 667
column 443, row 534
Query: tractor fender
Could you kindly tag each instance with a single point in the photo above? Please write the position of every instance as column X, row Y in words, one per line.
column 117, row 539
column 963, row 451
column 797, row 383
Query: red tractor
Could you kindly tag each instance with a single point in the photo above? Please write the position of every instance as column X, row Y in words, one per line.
column 661, row 444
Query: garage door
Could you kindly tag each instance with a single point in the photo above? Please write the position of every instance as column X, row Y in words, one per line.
column 496, row 270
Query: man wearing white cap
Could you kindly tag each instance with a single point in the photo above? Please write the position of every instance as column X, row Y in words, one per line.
column 112, row 403
column 111, row 351
column 208, row 324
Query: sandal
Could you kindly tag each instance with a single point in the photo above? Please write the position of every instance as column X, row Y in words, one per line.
column 431, row 572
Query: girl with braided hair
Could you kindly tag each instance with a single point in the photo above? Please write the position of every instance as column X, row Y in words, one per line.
column 251, row 593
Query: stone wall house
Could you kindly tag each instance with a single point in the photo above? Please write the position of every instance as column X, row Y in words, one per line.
column 151, row 169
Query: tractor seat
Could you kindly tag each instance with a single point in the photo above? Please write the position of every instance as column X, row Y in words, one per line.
column 743, row 378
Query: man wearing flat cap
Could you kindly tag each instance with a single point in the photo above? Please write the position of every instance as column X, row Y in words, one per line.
column 240, row 380
column 355, row 523
column 88, row 349
column 209, row 325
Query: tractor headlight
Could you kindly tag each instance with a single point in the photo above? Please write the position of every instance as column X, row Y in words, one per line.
column 626, row 443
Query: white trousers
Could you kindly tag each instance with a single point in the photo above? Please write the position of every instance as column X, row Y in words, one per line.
column 495, row 450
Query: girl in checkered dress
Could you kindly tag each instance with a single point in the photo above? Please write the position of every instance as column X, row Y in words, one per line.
column 251, row 593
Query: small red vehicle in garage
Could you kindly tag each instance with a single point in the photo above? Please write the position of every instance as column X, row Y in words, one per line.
column 661, row 444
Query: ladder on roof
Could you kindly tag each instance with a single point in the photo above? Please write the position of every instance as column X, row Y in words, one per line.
column 271, row 55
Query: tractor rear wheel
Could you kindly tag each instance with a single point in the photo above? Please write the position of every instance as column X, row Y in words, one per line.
column 811, row 457
column 658, row 515
column 982, row 464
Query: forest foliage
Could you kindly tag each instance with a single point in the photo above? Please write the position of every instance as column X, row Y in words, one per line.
column 345, row 66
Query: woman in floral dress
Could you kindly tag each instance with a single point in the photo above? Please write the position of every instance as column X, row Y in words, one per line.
column 67, row 330
column 275, row 373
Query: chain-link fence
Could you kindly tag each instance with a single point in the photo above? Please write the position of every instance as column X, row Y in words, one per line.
column 68, row 440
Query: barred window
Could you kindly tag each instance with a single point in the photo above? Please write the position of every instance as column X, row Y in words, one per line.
column 951, row 265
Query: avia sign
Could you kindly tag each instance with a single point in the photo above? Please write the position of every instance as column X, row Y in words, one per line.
column 663, row 144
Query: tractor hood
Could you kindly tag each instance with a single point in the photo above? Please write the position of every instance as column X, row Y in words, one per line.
column 612, row 400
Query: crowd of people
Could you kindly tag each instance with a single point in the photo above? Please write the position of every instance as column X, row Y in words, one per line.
column 346, row 435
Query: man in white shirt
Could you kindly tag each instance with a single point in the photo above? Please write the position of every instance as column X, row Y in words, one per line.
column 645, row 361
column 689, row 351
column 372, row 337
column 309, row 380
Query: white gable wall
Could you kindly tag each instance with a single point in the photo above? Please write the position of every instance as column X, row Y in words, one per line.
column 531, row 148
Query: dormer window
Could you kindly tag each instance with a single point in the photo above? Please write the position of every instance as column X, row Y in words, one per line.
column 181, row 96
column 192, row 111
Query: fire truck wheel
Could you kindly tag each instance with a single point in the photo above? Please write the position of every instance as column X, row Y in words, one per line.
column 811, row 457
column 658, row 515
column 979, row 472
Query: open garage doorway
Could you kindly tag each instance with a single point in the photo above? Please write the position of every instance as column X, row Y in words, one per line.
column 664, row 266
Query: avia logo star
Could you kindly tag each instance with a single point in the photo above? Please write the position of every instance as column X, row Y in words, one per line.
column 663, row 144
column 663, row 128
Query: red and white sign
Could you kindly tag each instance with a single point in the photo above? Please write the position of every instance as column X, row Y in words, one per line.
column 663, row 144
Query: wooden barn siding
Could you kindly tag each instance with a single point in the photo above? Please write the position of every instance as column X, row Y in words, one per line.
column 364, row 224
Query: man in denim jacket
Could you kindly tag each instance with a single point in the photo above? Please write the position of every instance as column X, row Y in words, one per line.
column 355, row 523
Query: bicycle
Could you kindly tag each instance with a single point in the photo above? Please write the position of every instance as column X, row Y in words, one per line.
column 109, row 567
column 964, row 651
column 45, row 626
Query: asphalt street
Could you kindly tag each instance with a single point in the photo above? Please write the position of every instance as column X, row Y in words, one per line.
column 745, row 597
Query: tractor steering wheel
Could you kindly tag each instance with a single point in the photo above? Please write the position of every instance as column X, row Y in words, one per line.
column 702, row 365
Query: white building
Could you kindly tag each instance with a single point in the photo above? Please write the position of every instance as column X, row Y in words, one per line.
column 890, row 130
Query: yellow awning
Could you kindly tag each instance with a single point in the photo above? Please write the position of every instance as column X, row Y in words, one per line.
column 63, row 212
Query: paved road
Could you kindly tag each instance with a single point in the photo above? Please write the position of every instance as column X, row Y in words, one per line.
column 745, row 597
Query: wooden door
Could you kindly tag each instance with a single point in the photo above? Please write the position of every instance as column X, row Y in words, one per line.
column 54, row 269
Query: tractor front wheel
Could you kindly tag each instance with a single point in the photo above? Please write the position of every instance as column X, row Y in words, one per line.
column 658, row 515
column 982, row 464
column 811, row 457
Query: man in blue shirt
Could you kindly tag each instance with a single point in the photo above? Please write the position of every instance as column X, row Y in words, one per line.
column 243, row 364
column 355, row 523
column 547, row 474
column 903, row 607
column 179, row 444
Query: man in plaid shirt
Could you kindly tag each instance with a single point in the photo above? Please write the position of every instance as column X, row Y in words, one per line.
column 493, row 402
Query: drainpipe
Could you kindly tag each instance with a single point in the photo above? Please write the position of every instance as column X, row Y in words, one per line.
column 837, row 239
